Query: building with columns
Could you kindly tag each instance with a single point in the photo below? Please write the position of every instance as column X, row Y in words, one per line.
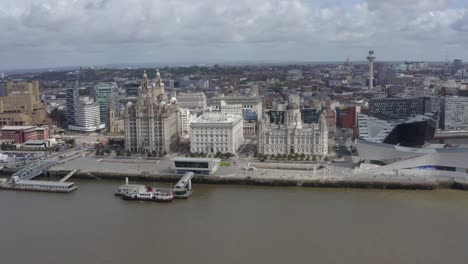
column 291, row 135
column 212, row 133
column 152, row 122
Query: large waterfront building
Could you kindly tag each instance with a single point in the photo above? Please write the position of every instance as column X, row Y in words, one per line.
column 412, row 132
column 152, row 123
column 386, row 159
column 292, row 136
column 22, row 105
column 87, row 115
column 193, row 101
column 455, row 113
column 72, row 94
column 212, row 133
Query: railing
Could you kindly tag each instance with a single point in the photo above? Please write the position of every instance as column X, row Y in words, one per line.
column 33, row 170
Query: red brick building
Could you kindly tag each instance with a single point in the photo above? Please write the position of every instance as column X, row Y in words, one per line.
column 21, row 134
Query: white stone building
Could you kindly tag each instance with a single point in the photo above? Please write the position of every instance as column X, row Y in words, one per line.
column 185, row 119
column 292, row 136
column 253, row 103
column 216, row 133
column 231, row 109
column 152, row 123
column 193, row 101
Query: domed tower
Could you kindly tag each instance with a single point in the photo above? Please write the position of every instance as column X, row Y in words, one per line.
column 144, row 84
column 293, row 112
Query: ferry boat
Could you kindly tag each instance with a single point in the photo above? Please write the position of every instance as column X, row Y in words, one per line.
column 148, row 194
column 128, row 187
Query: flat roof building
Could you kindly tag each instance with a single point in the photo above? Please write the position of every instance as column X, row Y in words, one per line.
column 216, row 133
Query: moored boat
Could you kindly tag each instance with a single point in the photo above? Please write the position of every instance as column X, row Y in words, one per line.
column 148, row 194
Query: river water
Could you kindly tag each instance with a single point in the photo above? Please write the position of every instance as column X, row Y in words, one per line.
column 235, row 224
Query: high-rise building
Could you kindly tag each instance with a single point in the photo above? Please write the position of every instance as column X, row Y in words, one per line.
column 72, row 94
column 132, row 88
column 292, row 136
column 371, row 59
column 87, row 117
column 217, row 133
column 385, row 73
column 151, row 124
column 3, row 89
column 457, row 65
column 22, row 105
column 106, row 94
column 455, row 113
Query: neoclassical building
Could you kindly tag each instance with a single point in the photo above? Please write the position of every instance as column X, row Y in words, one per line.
column 152, row 123
column 291, row 135
column 212, row 133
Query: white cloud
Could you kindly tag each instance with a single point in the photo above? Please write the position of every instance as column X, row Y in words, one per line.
column 64, row 32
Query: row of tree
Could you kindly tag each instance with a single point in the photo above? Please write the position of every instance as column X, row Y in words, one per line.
column 296, row 156
column 218, row 155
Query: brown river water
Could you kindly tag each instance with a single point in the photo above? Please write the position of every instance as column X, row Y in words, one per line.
column 235, row 224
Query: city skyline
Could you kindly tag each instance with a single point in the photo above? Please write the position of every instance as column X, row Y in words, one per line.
column 56, row 33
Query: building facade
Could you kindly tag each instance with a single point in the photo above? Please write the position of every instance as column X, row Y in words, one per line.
column 106, row 94
column 22, row 134
column 185, row 119
column 87, row 115
column 22, row 105
column 152, row 123
column 455, row 113
column 401, row 108
column 72, row 94
column 292, row 136
column 216, row 133
column 193, row 101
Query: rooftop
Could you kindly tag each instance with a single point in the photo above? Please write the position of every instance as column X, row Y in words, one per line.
column 17, row 127
column 217, row 119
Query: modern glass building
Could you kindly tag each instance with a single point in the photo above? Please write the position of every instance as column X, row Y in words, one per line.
column 105, row 93
column 72, row 93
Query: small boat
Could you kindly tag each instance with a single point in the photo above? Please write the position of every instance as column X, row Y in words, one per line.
column 148, row 194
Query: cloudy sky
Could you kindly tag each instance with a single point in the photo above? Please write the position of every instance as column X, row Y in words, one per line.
column 47, row 33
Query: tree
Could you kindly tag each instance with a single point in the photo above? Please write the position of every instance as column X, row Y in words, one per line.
column 70, row 142
column 129, row 153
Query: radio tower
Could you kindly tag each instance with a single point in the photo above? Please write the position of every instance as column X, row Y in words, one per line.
column 371, row 59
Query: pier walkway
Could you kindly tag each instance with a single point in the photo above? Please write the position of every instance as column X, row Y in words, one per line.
column 185, row 182
column 68, row 176
column 33, row 170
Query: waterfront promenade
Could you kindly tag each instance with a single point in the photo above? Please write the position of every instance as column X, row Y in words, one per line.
column 331, row 175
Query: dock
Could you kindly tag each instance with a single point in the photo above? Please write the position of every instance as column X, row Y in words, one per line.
column 39, row 186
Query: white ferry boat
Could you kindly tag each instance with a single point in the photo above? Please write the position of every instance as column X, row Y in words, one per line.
column 149, row 194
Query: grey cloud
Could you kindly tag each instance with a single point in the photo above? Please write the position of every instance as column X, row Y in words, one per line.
column 64, row 30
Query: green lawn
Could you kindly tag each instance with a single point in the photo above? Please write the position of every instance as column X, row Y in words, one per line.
column 225, row 164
